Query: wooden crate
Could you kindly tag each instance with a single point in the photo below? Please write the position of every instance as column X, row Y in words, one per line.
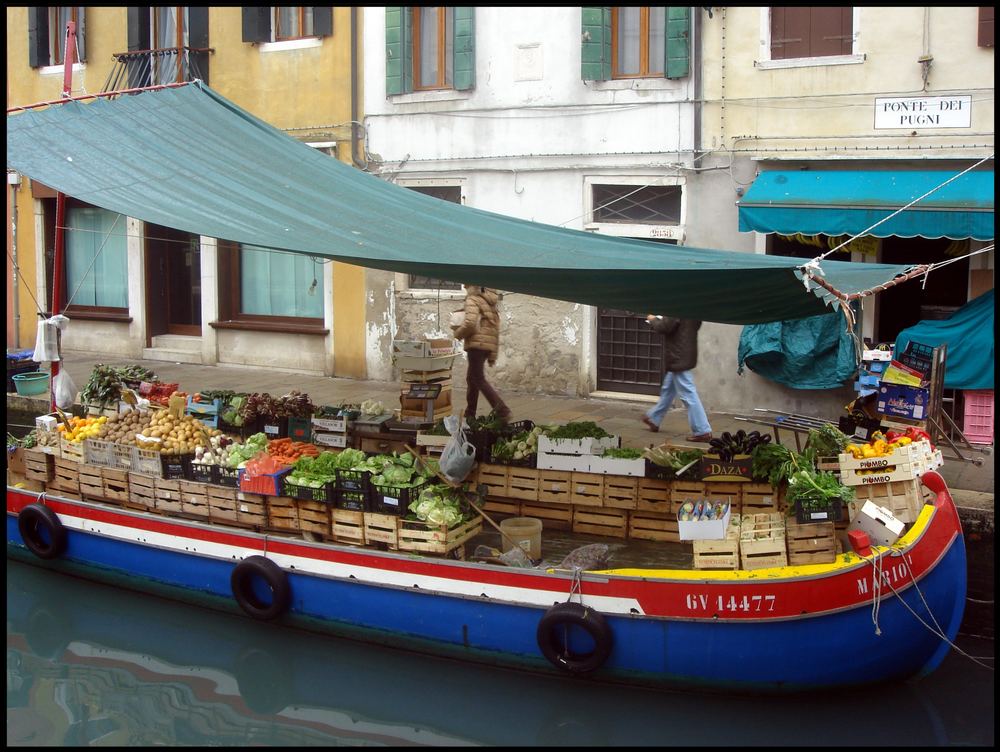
column 554, row 486
column 222, row 505
column 761, row 498
column 194, row 500
column 494, row 477
column 91, row 483
column 553, row 516
column 686, row 490
column 115, row 484
column 587, row 489
column 719, row 554
column 904, row 498
column 71, row 450
column 612, row 523
column 251, row 509
column 653, row 495
column 381, row 528
column 620, row 491
column 65, row 477
column 38, row 466
column 654, row 526
column 762, row 541
column 314, row 518
column 522, row 483
column 502, row 507
column 168, row 496
column 725, row 491
column 348, row 526
column 141, row 492
column 417, row 536
column 282, row 514
column 810, row 543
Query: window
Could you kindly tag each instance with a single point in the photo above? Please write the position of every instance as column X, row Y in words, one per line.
column 272, row 283
column 292, row 23
column 637, row 41
column 451, row 193
column 281, row 23
column 169, row 31
column 638, row 207
column 429, row 48
column 166, row 45
column 95, row 259
column 47, row 35
column 802, row 32
column 644, row 42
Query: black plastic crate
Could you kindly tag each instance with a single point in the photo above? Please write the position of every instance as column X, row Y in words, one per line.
column 201, row 473
column 226, row 476
column 833, row 513
column 356, row 501
column 273, row 428
column 176, row 466
column 518, row 426
column 530, row 461
column 353, row 480
column 394, row 499
column 659, row 472
column 300, row 429
column 918, row 357
column 325, row 493
column 482, row 439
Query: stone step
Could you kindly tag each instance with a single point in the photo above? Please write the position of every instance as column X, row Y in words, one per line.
column 172, row 355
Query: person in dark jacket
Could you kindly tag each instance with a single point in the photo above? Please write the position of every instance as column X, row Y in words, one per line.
column 680, row 344
column 480, row 333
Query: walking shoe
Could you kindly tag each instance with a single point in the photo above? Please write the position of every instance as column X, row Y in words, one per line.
column 650, row 424
column 705, row 437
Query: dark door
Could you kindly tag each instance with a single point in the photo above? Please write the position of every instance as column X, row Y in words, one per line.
column 629, row 353
column 173, row 274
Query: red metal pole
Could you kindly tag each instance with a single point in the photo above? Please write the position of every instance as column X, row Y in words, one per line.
column 60, row 248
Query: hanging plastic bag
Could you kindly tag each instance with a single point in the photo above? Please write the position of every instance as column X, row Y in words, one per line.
column 64, row 390
column 459, row 455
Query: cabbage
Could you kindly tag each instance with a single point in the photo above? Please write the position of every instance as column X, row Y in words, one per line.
column 438, row 505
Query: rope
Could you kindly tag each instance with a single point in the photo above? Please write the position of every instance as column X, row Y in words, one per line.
column 876, row 591
column 576, row 586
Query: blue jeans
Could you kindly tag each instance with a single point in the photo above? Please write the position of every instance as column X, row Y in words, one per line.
column 681, row 384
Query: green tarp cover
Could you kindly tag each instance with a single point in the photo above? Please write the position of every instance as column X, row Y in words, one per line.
column 190, row 159
column 817, row 352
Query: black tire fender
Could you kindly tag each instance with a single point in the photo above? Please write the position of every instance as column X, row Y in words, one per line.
column 551, row 637
column 241, row 582
column 42, row 531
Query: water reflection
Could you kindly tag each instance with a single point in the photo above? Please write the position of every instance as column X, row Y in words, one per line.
column 88, row 664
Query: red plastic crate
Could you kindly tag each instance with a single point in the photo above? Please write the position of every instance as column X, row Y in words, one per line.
column 978, row 422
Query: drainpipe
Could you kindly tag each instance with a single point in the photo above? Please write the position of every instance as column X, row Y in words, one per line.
column 14, row 180
column 696, row 67
column 355, row 139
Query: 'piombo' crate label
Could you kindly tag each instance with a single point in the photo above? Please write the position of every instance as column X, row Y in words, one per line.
column 736, row 469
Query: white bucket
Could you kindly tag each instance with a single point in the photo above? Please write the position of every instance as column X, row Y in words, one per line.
column 525, row 531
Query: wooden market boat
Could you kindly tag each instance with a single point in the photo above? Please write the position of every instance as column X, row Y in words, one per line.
column 859, row 620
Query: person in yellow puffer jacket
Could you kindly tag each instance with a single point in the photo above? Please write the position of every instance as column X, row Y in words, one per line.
column 480, row 335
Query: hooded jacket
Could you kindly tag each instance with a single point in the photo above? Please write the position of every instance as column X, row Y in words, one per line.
column 680, row 342
column 481, row 328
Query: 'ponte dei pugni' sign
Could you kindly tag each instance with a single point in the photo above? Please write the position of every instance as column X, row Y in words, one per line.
column 923, row 112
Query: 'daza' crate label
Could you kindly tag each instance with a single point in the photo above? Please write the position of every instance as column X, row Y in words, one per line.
column 714, row 468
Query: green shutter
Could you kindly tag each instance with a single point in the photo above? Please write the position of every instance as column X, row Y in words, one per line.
column 595, row 51
column 38, row 37
column 464, row 48
column 398, row 50
column 678, row 46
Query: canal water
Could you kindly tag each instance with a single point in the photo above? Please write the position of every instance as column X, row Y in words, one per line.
column 88, row 664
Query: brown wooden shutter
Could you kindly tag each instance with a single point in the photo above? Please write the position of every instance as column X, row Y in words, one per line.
column 811, row 32
column 323, row 21
column 257, row 24
column 198, row 38
column 38, row 37
column 986, row 27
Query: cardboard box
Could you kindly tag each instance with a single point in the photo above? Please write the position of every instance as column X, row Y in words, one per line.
column 899, row 373
column 414, row 348
column 878, row 522
column 587, row 445
column 618, row 466
column 704, row 529
column 903, row 401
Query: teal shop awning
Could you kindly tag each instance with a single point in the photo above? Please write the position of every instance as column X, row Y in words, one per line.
column 189, row 159
column 848, row 202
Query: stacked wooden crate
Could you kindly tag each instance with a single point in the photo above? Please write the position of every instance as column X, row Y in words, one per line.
column 762, row 541
column 425, row 375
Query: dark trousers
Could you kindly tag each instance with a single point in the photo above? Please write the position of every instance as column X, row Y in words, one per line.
column 475, row 380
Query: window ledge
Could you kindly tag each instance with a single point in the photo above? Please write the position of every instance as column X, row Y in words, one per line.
column 263, row 326
column 639, row 84
column 810, row 62
column 291, row 44
column 440, row 95
column 58, row 70
column 122, row 318
column 431, row 294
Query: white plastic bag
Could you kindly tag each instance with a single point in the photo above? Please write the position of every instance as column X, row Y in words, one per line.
column 458, row 455
column 64, row 390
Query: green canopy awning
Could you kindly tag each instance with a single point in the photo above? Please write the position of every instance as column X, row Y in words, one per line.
column 190, row 159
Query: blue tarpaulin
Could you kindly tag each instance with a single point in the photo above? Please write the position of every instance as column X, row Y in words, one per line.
column 969, row 336
column 848, row 202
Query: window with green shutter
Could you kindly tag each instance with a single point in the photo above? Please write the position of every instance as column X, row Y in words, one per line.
column 429, row 48
column 635, row 42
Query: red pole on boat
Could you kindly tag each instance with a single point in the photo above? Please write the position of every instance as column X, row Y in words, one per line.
column 57, row 261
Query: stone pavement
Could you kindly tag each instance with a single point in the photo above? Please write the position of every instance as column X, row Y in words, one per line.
column 972, row 486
